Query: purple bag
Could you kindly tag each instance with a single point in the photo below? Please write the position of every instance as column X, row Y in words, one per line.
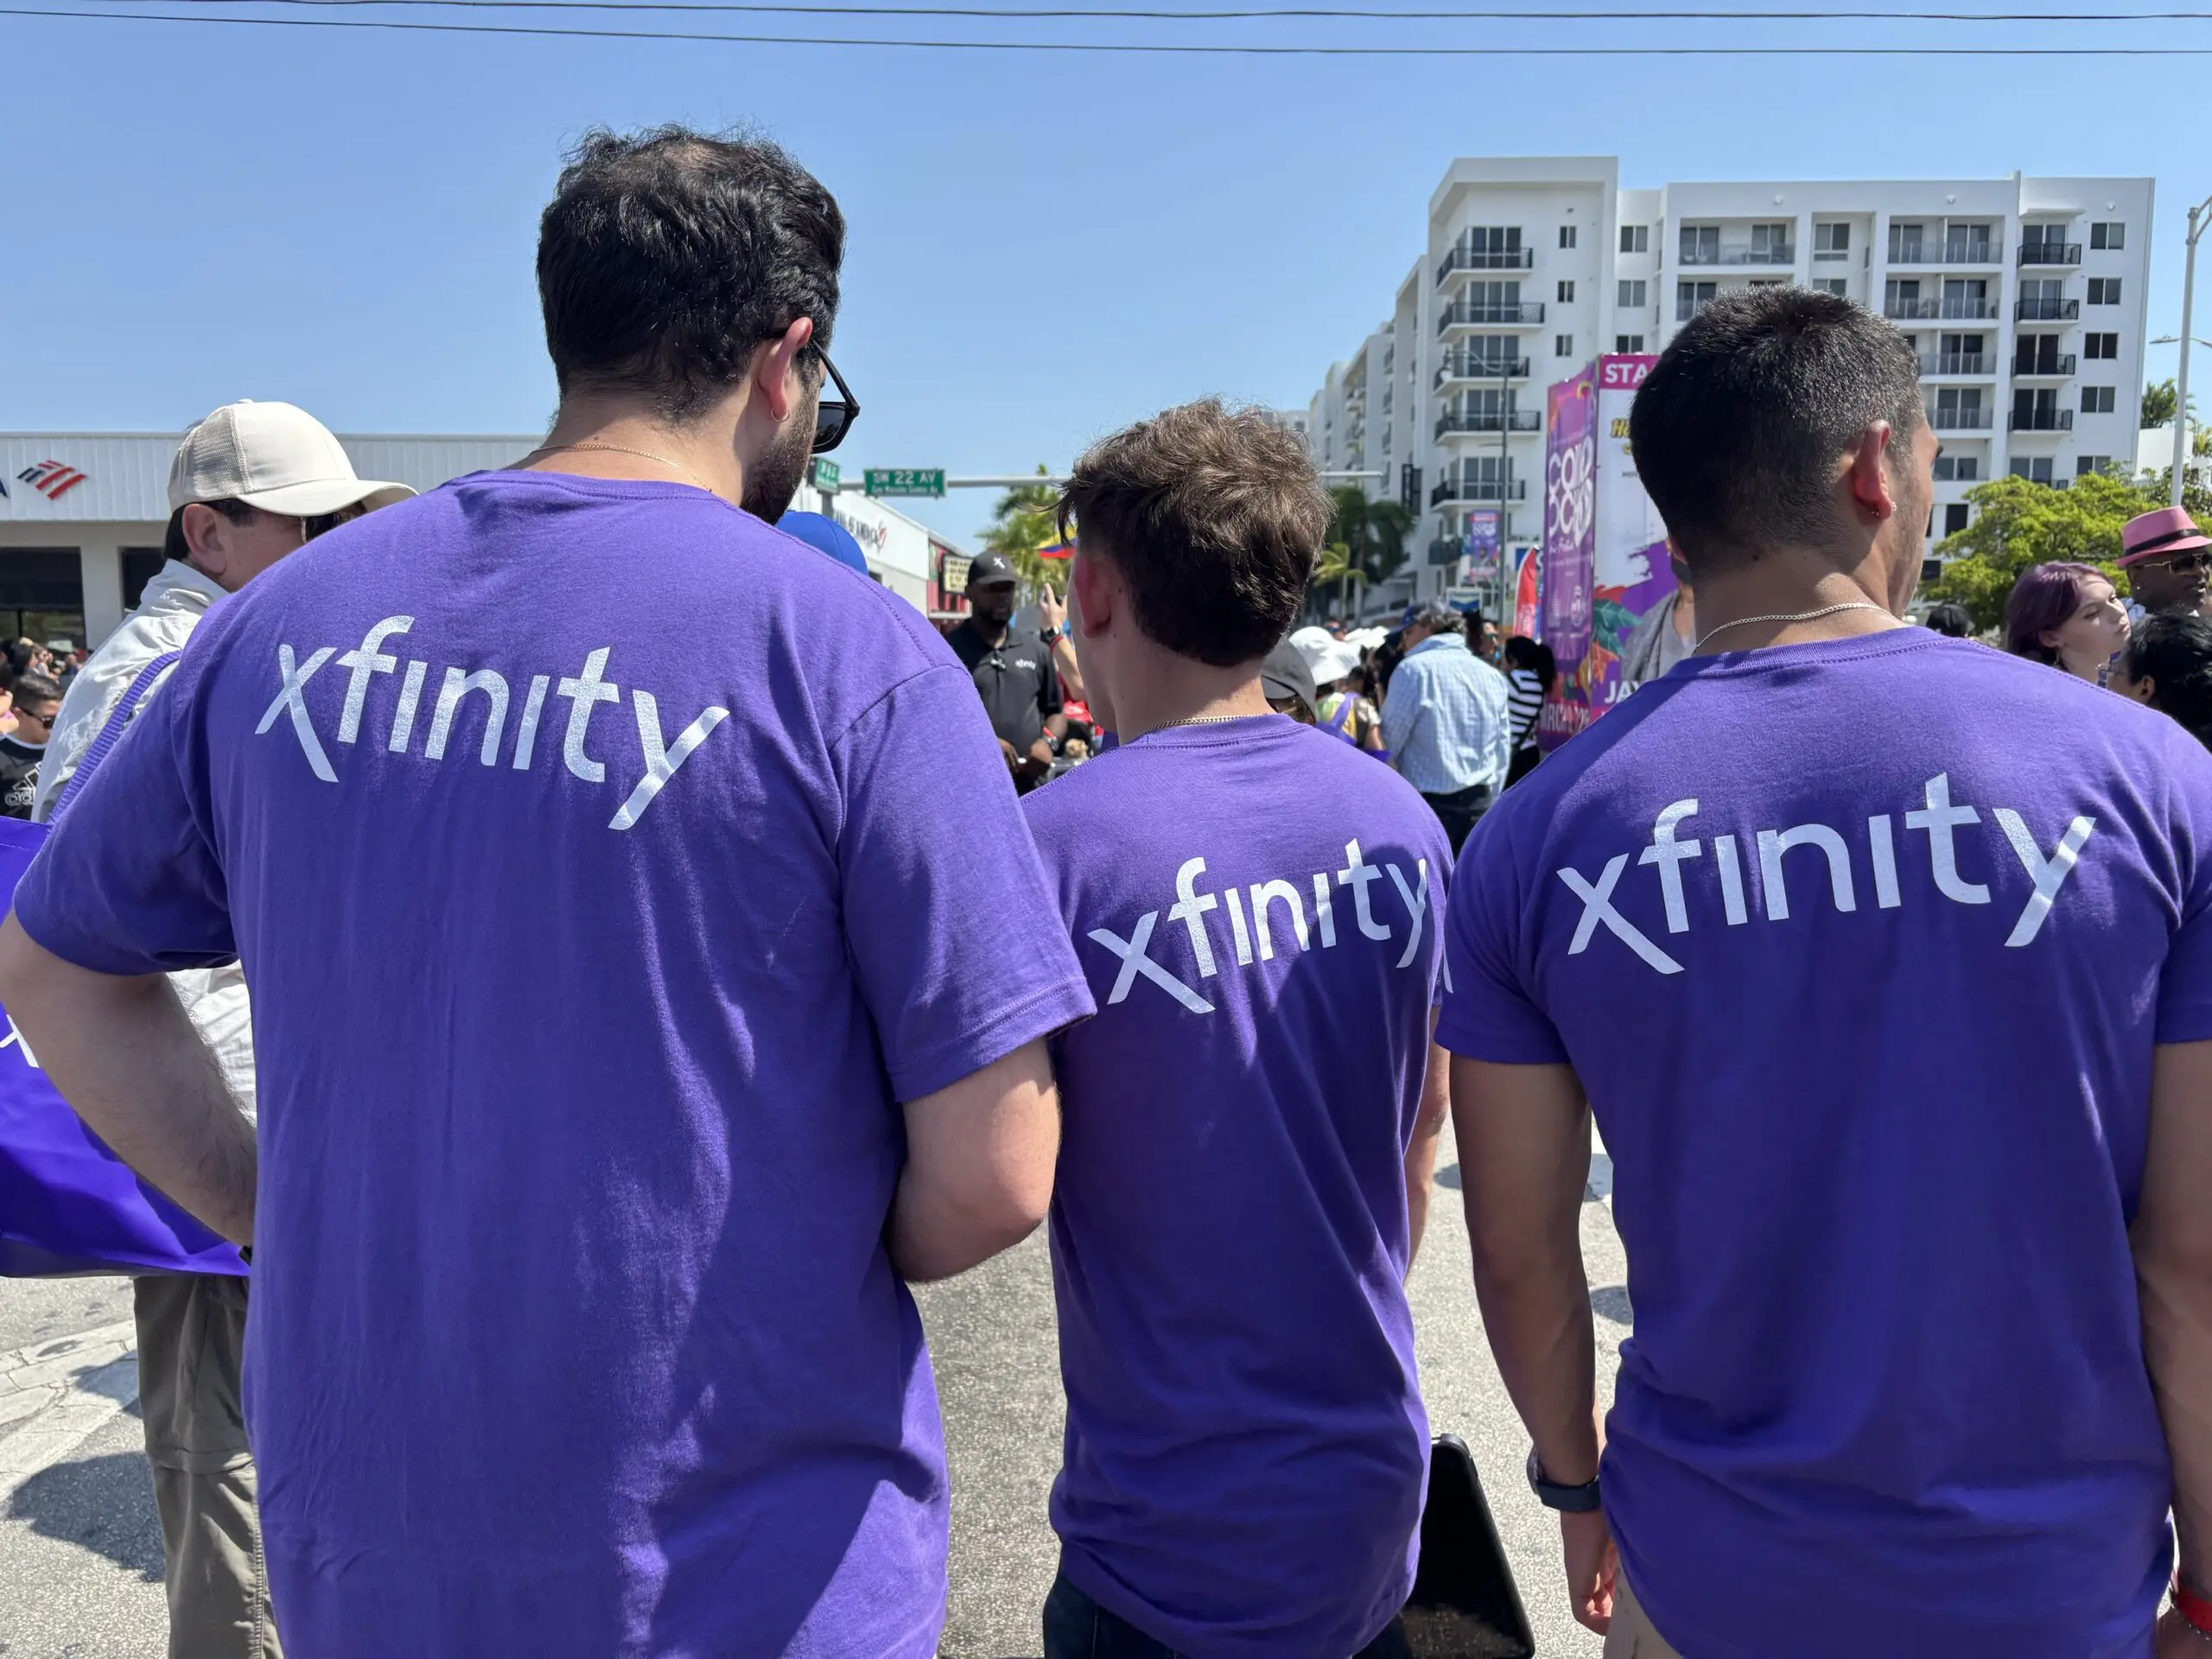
column 68, row 1205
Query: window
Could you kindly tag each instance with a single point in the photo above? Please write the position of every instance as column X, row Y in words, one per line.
column 1954, row 518
column 1770, row 246
column 2085, row 464
column 2097, row 400
column 1567, row 236
column 2100, row 346
column 140, row 566
column 1966, row 244
column 1633, row 294
column 2035, row 471
column 2108, row 233
column 1567, row 293
column 1835, row 285
column 1962, row 468
column 1831, row 241
column 1637, row 239
column 1907, row 245
column 1701, row 244
column 2104, row 290
column 1563, row 345
column 1692, row 297
column 1628, row 345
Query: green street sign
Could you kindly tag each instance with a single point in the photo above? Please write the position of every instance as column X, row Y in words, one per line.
column 905, row 480
column 825, row 476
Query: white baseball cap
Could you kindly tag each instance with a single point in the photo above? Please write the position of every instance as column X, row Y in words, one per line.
column 1328, row 658
column 273, row 456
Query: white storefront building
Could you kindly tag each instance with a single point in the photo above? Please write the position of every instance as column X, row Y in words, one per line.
column 2024, row 297
column 82, row 517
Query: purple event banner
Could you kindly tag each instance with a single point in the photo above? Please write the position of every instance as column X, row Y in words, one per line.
column 1570, row 516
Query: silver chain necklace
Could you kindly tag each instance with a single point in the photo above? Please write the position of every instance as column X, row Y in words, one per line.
column 1201, row 720
column 1794, row 616
column 621, row 450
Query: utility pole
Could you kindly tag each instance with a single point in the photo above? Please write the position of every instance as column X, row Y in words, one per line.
column 2197, row 222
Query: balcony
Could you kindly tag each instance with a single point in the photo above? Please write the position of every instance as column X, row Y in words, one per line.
column 2042, row 420
column 1467, row 314
column 1976, row 363
column 2051, row 253
column 1478, row 489
column 1924, row 253
column 1904, row 310
column 1959, row 420
column 2047, row 310
column 2042, row 367
column 1461, row 365
column 1511, row 420
column 1775, row 256
column 1485, row 259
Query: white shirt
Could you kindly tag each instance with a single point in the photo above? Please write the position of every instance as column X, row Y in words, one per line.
column 170, row 609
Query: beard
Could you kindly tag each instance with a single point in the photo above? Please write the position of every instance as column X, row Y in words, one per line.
column 773, row 480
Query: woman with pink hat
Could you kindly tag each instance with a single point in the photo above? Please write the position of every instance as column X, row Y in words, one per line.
column 2164, row 555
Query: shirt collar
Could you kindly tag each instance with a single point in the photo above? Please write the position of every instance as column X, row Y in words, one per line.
column 175, row 576
column 1440, row 642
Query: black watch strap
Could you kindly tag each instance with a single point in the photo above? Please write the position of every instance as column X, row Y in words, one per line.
column 1573, row 1500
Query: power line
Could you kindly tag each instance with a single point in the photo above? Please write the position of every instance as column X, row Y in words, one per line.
column 1146, row 48
column 1467, row 14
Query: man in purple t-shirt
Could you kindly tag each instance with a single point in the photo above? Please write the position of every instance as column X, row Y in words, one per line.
column 629, row 1029
column 1885, row 963
column 1252, row 1116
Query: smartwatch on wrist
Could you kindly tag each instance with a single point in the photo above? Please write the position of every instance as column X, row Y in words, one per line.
column 1050, row 636
column 1570, row 1500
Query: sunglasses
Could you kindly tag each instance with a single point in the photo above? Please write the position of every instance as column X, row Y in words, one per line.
column 2181, row 563
column 834, row 416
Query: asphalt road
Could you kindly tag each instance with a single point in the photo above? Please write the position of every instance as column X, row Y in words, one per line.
column 80, row 1550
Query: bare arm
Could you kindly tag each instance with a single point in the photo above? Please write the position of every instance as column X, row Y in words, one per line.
column 2173, row 1263
column 1070, row 673
column 1524, row 1163
column 123, row 1053
column 1421, row 1153
column 979, row 1167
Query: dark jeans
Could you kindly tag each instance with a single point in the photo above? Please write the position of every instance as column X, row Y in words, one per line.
column 1524, row 762
column 1459, row 813
column 1076, row 1627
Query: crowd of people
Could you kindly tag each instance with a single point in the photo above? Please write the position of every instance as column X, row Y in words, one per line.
column 619, row 1068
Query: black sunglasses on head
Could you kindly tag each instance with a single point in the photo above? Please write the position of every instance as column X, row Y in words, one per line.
column 834, row 416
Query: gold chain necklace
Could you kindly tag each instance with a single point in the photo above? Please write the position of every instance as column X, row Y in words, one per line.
column 619, row 449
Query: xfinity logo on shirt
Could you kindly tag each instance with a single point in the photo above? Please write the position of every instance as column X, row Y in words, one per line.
column 1936, row 818
column 584, row 690
column 1274, row 905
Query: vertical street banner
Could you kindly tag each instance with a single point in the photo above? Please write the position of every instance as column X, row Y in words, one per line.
column 1483, row 547
column 1525, row 571
column 1568, row 595
column 1623, row 581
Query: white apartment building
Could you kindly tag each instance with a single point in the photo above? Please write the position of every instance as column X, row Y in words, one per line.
column 2024, row 299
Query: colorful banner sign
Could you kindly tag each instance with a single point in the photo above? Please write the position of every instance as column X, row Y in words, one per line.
column 1570, row 578
column 1529, row 561
column 1483, row 543
column 1618, row 577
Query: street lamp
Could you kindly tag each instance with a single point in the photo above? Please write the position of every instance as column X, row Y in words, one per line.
column 2197, row 220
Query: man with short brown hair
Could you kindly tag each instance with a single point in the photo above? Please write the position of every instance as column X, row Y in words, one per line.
column 1250, row 1118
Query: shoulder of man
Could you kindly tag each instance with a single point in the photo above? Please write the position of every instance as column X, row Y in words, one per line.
column 100, row 685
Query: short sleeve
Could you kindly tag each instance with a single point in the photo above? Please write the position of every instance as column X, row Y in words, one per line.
column 2185, row 979
column 943, row 892
column 1489, row 1010
column 130, row 881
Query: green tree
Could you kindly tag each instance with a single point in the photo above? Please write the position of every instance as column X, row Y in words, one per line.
column 2018, row 523
column 1367, row 540
column 2158, row 405
column 1021, row 522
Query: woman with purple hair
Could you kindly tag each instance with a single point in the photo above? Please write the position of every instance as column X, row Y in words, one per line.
column 2066, row 615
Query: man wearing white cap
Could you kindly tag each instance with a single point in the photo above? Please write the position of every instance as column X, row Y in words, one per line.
column 250, row 483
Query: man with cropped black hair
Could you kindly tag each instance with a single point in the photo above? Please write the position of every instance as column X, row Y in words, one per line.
column 1885, row 962
column 1252, row 1116
column 580, row 1322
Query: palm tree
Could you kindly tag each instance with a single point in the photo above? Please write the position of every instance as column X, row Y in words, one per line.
column 1021, row 522
column 1367, row 540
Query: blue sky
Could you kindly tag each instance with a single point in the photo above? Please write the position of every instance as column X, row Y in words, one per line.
column 1042, row 246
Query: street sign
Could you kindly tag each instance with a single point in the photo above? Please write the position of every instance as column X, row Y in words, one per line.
column 905, row 480
column 825, row 476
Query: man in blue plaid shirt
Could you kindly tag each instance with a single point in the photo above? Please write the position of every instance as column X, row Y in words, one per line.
column 1446, row 721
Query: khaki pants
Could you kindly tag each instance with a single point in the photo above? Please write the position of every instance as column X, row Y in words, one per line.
column 191, row 1349
column 1632, row 1636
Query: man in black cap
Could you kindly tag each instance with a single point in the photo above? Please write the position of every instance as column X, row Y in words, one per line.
column 1013, row 671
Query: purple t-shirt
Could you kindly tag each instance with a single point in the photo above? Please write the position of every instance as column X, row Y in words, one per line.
column 605, row 865
column 1257, row 907
column 1860, row 950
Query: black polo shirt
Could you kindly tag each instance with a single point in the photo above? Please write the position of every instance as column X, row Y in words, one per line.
column 1017, row 681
